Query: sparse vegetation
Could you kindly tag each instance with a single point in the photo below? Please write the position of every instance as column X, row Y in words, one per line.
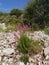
column 27, row 46
column 1, row 30
column 24, row 59
column 24, row 44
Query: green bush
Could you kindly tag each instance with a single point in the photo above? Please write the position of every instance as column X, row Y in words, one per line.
column 35, row 26
column 27, row 46
column 38, row 11
column 46, row 31
column 24, row 44
column 16, row 12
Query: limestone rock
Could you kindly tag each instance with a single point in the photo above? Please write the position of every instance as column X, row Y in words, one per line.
column 8, row 51
column 46, row 50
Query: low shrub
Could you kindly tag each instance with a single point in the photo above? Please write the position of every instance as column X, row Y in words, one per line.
column 1, row 30
column 46, row 31
column 35, row 27
column 24, row 44
column 11, row 27
column 27, row 46
column 37, row 46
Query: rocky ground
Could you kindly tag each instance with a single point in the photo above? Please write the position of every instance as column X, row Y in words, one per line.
column 9, row 55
